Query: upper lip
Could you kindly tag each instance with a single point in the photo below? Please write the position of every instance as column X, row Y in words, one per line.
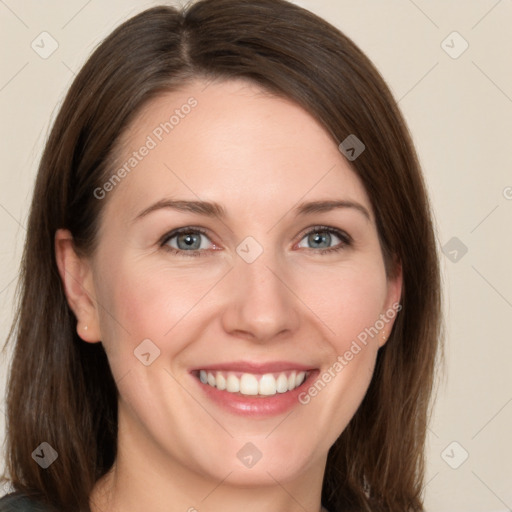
column 254, row 367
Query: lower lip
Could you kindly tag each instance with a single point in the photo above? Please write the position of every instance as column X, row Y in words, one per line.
column 260, row 406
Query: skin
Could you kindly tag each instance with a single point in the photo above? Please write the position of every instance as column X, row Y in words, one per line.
column 258, row 156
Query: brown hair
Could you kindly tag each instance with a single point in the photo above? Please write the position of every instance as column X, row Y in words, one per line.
column 61, row 390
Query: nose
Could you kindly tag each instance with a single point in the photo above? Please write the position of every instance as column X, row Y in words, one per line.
column 261, row 304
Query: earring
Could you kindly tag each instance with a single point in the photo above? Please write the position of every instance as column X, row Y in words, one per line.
column 85, row 327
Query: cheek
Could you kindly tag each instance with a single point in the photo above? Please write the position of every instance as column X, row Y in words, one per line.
column 348, row 300
column 147, row 302
column 353, row 302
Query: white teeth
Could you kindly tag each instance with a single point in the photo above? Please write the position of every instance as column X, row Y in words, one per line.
column 282, row 383
column 267, row 385
column 233, row 384
column 249, row 384
column 291, row 380
column 221, row 381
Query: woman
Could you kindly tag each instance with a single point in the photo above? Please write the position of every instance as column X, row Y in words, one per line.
column 230, row 288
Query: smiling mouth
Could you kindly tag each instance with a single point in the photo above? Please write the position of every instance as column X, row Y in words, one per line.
column 253, row 384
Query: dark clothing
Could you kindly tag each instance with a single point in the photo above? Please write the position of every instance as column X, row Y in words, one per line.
column 16, row 502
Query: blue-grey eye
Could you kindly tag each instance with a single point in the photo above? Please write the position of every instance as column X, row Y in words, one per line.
column 322, row 239
column 187, row 241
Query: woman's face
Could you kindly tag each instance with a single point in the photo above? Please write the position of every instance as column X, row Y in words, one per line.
column 267, row 281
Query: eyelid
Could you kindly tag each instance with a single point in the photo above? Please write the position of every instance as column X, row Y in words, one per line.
column 185, row 229
column 343, row 235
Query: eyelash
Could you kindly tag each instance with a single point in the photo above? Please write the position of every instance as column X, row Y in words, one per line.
column 346, row 240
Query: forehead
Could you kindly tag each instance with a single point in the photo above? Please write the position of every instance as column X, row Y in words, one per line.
column 230, row 142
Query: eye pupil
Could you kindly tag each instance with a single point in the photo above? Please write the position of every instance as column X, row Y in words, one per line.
column 316, row 238
column 189, row 239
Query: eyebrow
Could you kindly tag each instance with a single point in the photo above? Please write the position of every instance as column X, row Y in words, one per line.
column 327, row 206
column 215, row 210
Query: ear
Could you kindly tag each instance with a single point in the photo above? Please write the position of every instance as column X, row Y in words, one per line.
column 76, row 275
column 392, row 304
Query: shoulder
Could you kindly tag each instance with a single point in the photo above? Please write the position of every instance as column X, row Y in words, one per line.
column 17, row 502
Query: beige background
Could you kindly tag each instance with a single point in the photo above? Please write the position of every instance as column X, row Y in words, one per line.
column 460, row 114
